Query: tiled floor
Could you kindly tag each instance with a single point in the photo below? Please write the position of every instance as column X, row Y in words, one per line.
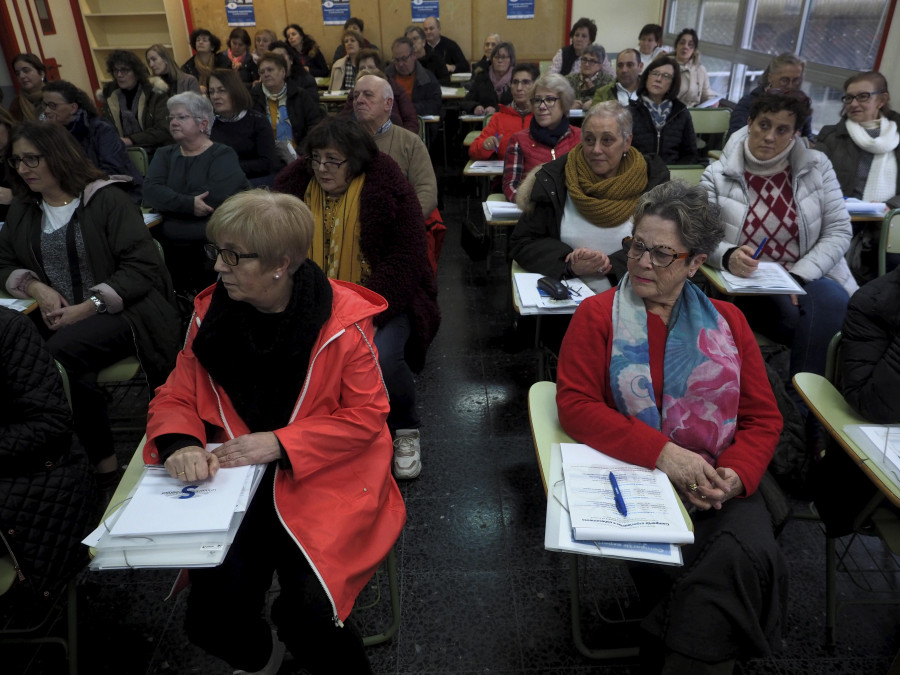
column 479, row 592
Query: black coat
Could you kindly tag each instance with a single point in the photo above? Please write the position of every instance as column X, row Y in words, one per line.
column 482, row 92
column 303, row 111
column 675, row 143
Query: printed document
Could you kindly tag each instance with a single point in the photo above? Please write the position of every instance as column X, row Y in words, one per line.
column 769, row 277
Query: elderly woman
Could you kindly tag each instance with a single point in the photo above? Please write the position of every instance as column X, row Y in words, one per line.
column 590, row 77
column 238, row 54
column 430, row 59
column 638, row 370
column 135, row 104
column 491, row 88
column 186, row 182
column 579, row 206
column 662, row 123
column 279, row 368
column 694, row 88
column 568, row 59
column 311, row 55
column 206, row 56
column 783, row 75
column 775, row 192
column 31, row 73
column 75, row 243
column 509, row 119
column 245, row 131
column 548, row 135
column 162, row 65
column 261, row 42
column 66, row 104
column 343, row 72
column 370, row 230
column 290, row 110
column 296, row 73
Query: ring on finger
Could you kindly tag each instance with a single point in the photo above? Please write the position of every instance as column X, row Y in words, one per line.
column 693, row 487
column 180, row 473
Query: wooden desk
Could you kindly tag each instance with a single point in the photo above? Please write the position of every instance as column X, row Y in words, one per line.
column 460, row 77
column 334, row 96
column 452, row 93
column 323, row 82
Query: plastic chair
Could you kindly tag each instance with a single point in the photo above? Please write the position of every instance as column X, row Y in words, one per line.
column 889, row 243
column 139, row 158
column 712, row 123
column 388, row 567
column 689, row 172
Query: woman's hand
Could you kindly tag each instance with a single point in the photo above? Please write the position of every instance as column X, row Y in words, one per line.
column 259, row 448
column 479, row 110
column 732, row 486
column 741, row 262
column 588, row 261
column 66, row 316
column 492, row 143
column 127, row 141
column 201, row 208
column 6, row 195
column 192, row 464
column 490, row 110
column 48, row 300
column 693, row 477
column 236, row 65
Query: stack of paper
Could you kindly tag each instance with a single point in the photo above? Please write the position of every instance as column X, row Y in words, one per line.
column 501, row 211
column 488, row 167
column 881, row 443
column 16, row 304
column 534, row 301
column 582, row 516
column 166, row 522
column 857, row 207
column 769, row 278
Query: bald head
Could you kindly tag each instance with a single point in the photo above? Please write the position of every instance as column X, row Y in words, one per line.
column 373, row 99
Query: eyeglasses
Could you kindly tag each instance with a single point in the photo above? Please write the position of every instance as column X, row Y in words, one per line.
column 501, row 57
column 328, row 165
column 31, row 161
column 660, row 256
column 548, row 101
column 229, row 257
column 181, row 118
column 402, row 59
column 50, row 105
column 862, row 96
column 592, row 62
column 121, row 71
column 521, row 83
column 659, row 75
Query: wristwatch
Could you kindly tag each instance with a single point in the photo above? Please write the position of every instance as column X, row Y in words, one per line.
column 99, row 305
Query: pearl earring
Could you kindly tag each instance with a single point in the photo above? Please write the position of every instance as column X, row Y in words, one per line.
column 277, row 276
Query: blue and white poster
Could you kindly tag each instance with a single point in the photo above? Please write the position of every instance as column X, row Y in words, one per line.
column 240, row 13
column 519, row 9
column 335, row 12
column 422, row 9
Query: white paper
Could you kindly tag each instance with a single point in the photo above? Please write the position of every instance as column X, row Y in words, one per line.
column 449, row 91
column 530, row 296
column 16, row 304
column 653, row 511
column 576, row 113
column 151, row 217
column 769, row 277
column 710, row 103
column 486, row 166
column 502, row 210
column 861, row 208
column 881, row 444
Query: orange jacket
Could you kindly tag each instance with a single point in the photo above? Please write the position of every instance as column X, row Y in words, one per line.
column 338, row 501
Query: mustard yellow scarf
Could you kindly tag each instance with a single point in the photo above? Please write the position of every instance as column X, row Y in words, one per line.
column 605, row 202
column 343, row 260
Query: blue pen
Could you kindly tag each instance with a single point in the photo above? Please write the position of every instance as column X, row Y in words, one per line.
column 620, row 501
column 759, row 248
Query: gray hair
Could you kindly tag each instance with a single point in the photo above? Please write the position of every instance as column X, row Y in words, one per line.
column 198, row 106
column 783, row 59
column 387, row 91
column 688, row 206
column 417, row 30
column 496, row 35
column 559, row 86
column 618, row 112
column 597, row 50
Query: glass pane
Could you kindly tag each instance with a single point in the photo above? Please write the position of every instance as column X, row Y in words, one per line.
column 718, row 21
column 684, row 15
column 719, row 71
column 845, row 35
column 826, row 105
column 775, row 26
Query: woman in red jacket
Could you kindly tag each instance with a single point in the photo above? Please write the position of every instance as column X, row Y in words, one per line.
column 654, row 373
column 279, row 367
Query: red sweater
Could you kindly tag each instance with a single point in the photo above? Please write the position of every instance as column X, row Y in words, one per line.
column 503, row 123
column 587, row 409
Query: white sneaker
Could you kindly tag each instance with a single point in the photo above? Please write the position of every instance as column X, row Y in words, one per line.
column 274, row 664
column 407, row 454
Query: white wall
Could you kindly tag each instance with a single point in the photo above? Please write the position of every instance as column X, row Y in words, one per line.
column 618, row 23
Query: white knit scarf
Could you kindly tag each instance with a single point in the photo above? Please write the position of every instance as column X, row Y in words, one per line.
column 881, row 184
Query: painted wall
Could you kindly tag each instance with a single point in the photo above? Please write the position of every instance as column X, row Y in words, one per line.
column 629, row 18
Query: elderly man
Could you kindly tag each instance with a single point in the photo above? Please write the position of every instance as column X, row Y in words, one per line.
column 422, row 87
column 784, row 74
column 373, row 99
column 448, row 50
column 429, row 58
column 628, row 75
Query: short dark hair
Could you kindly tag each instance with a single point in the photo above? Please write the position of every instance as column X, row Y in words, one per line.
column 130, row 60
column 663, row 60
column 415, row 29
column 530, row 68
column 690, row 31
column 62, row 154
column 404, row 41
column 346, row 136
column 355, row 21
column 370, row 53
column 584, row 22
column 508, row 46
column 214, row 41
column 237, row 90
column 876, row 78
column 241, row 35
column 653, row 29
column 795, row 102
column 276, row 58
column 31, row 60
column 356, row 36
column 636, row 52
column 293, row 54
column 72, row 94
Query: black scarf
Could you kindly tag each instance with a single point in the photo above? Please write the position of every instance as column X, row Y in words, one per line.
column 549, row 137
column 260, row 360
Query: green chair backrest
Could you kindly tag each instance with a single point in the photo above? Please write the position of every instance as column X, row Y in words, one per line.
column 833, row 361
column 890, row 239
column 689, row 172
column 711, row 121
column 139, row 158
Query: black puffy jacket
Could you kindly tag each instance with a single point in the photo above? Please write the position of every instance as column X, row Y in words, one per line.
column 675, row 143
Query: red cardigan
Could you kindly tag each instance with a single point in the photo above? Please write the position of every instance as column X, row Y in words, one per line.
column 588, row 411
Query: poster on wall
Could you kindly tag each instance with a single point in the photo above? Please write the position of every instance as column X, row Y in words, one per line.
column 240, row 13
column 422, row 9
column 519, row 9
column 335, row 12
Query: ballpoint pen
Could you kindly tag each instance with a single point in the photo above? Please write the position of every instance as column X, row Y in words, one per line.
column 620, row 501
column 759, row 249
